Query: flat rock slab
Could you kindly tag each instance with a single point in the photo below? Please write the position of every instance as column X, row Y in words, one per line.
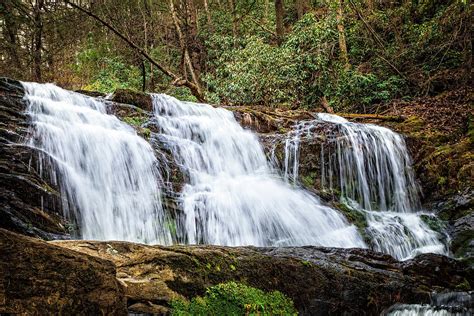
column 321, row 281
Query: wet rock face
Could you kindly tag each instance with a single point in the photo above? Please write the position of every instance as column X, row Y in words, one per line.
column 311, row 146
column 321, row 281
column 28, row 204
column 458, row 212
column 37, row 278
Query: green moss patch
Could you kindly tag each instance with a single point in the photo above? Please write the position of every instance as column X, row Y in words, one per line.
column 235, row 299
column 355, row 217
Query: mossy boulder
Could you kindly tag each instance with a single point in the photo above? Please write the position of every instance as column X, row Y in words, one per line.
column 139, row 99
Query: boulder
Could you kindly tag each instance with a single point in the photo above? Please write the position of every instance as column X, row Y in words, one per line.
column 37, row 278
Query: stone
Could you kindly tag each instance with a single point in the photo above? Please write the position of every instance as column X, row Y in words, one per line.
column 321, row 281
column 28, row 203
column 37, row 278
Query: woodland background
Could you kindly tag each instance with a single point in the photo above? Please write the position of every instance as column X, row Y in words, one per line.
column 349, row 55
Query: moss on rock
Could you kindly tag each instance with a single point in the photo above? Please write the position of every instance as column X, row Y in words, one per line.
column 139, row 99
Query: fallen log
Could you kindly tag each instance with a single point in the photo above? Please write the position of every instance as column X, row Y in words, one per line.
column 372, row 117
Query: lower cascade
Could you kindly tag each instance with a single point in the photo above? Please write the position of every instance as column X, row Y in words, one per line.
column 106, row 173
column 443, row 304
column 369, row 167
column 233, row 197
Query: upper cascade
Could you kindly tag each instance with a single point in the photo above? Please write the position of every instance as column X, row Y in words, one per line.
column 371, row 170
column 233, row 196
column 367, row 163
column 106, row 173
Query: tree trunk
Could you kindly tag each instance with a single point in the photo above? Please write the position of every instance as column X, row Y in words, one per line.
column 183, row 44
column 191, row 36
column 265, row 10
column 279, row 14
column 325, row 105
column 10, row 32
column 235, row 27
column 301, row 8
column 37, row 39
column 342, row 35
column 208, row 15
column 468, row 42
column 143, row 76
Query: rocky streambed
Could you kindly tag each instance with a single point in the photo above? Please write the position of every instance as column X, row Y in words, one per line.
column 92, row 277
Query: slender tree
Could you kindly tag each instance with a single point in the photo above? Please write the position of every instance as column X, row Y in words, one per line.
column 279, row 15
column 37, row 39
column 342, row 34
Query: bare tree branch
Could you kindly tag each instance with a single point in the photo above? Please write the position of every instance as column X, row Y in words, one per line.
column 177, row 80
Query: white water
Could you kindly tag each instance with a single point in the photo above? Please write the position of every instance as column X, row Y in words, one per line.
column 370, row 167
column 106, row 172
column 110, row 185
column 422, row 310
column 443, row 304
column 233, row 197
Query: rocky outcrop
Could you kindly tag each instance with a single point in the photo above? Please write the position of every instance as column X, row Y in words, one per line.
column 321, row 281
column 138, row 99
column 458, row 211
column 28, row 204
column 37, row 278
column 92, row 277
column 265, row 120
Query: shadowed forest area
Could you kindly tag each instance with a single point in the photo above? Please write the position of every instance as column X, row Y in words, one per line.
column 344, row 55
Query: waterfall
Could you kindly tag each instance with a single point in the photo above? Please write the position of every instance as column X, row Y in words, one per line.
column 233, row 197
column 442, row 304
column 110, row 185
column 369, row 167
column 106, row 173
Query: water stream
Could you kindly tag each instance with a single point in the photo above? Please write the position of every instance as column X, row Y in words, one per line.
column 442, row 304
column 233, row 196
column 107, row 174
column 111, row 186
column 369, row 167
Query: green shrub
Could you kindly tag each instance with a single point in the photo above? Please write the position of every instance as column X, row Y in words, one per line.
column 114, row 75
column 105, row 71
column 258, row 73
column 235, row 299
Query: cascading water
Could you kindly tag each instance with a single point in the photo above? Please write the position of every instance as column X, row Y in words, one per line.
column 107, row 174
column 370, row 167
column 110, row 184
column 233, row 197
column 442, row 304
